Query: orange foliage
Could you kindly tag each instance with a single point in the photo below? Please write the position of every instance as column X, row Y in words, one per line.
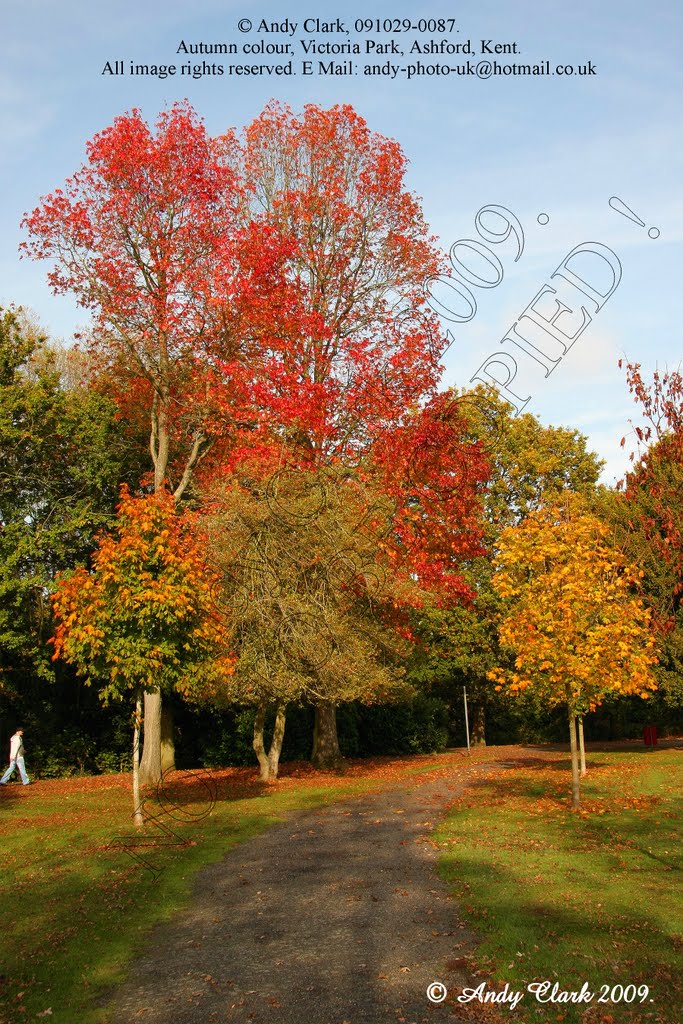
column 143, row 616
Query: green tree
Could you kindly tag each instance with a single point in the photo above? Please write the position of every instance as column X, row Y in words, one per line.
column 531, row 464
column 62, row 454
column 312, row 601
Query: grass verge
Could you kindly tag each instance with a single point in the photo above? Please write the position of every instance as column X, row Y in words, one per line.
column 573, row 898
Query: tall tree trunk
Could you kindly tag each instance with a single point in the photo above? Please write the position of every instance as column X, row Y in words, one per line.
column 582, row 747
column 276, row 742
column 150, row 766
column 159, row 444
column 269, row 761
column 478, row 725
column 137, row 809
column 258, row 744
column 167, row 744
column 576, row 778
column 326, row 752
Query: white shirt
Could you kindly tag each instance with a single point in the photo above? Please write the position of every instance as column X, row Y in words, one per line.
column 16, row 747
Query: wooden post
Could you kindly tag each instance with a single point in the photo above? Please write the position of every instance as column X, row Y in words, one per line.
column 467, row 724
column 137, row 809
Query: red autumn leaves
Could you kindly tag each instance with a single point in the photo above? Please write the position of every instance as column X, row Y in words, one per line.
column 250, row 294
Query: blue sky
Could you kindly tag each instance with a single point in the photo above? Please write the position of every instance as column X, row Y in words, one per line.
column 556, row 145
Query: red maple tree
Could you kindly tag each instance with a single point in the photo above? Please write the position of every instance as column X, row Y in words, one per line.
column 658, row 472
column 148, row 235
column 357, row 385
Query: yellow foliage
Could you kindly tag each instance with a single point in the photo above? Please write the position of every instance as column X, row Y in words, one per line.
column 573, row 621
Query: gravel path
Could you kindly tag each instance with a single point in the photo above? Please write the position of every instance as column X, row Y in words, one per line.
column 336, row 916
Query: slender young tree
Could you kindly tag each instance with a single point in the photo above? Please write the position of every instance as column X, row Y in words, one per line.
column 143, row 618
column 575, row 627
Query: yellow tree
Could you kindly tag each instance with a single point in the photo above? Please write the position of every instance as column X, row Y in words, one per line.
column 572, row 620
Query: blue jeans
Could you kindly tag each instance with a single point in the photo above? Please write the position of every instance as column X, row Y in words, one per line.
column 16, row 762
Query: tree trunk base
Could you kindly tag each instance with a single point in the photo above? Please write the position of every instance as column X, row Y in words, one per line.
column 137, row 808
column 150, row 765
column 167, row 742
column 576, row 775
column 582, row 746
column 326, row 753
column 477, row 730
column 269, row 761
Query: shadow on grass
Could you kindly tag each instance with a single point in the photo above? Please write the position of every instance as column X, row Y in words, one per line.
column 559, row 763
column 620, row 823
column 504, row 787
column 12, row 792
column 635, row 746
column 599, row 939
column 637, row 832
column 82, row 917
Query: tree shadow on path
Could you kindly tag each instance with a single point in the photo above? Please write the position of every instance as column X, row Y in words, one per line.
column 336, row 915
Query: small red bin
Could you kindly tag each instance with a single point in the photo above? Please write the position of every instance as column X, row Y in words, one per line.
column 650, row 735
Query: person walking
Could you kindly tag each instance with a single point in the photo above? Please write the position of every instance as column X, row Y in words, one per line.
column 16, row 759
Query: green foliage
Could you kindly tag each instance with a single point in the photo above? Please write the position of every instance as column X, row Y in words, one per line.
column 62, row 459
column 107, row 762
column 219, row 738
column 530, row 464
column 66, row 732
column 418, row 726
column 230, row 741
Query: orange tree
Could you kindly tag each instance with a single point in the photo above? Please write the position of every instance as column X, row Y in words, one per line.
column 571, row 620
column 143, row 617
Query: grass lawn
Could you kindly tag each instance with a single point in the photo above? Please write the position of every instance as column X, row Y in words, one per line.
column 73, row 911
column 571, row 898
